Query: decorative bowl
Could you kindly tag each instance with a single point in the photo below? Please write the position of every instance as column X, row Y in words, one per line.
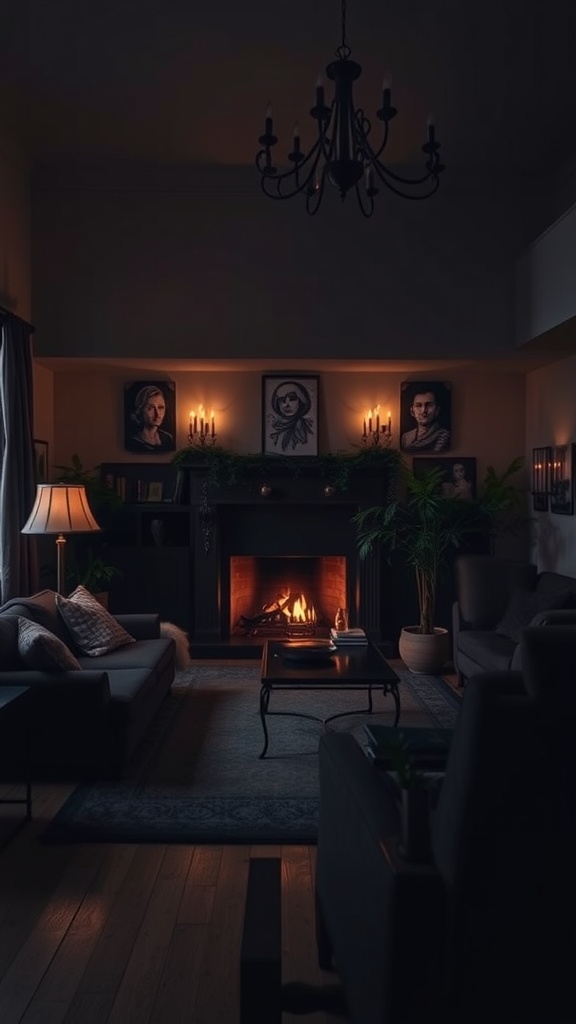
column 307, row 650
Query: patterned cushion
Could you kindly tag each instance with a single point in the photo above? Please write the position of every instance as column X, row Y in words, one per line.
column 95, row 631
column 525, row 604
column 41, row 650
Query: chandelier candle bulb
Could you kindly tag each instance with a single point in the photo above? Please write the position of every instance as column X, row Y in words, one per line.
column 213, row 431
column 268, row 121
column 370, row 421
column 430, row 127
column 389, row 423
column 364, row 434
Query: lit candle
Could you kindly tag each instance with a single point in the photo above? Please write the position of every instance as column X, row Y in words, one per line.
column 212, row 422
column 364, row 431
column 369, row 421
column 377, row 411
column 389, row 423
column 190, row 426
column 201, row 414
column 386, row 92
column 268, row 120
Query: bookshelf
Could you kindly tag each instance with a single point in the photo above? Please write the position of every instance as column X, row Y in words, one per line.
column 149, row 538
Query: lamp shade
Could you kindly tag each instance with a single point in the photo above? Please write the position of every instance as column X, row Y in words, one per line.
column 60, row 508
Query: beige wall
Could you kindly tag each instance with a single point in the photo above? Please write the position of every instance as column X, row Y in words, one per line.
column 487, row 411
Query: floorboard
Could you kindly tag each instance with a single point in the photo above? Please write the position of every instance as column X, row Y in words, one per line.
column 121, row 933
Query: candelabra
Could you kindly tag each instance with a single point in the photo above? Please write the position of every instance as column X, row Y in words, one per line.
column 375, row 432
column 202, row 429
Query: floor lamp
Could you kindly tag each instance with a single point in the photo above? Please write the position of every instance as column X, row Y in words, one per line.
column 60, row 509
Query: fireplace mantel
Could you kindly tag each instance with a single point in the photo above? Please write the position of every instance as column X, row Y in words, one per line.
column 270, row 514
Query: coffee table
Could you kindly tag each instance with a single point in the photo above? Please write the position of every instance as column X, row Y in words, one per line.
column 349, row 668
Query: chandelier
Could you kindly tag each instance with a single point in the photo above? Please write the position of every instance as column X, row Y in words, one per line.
column 343, row 153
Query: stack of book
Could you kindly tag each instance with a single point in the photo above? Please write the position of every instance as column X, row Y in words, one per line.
column 345, row 637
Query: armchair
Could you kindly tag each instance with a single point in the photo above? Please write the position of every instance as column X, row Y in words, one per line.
column 487, row 929
column 495, row 600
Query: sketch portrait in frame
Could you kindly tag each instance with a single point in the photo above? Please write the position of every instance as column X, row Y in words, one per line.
column 290, row 414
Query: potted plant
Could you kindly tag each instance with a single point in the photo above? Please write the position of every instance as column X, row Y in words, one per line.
column 94, row 573
column 98, row 493
column 424, row 526
column 414, row 801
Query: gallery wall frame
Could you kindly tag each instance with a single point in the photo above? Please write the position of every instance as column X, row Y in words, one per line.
column 459, row 475
column 150, row 416
column 541, row 477
column 425, row 416
column 290, row 414
column 41, row 461
column 562, row 480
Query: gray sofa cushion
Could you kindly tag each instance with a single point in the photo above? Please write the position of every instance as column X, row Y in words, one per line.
column 95, row 631
column 490, row 651
column 40, row 649
column 525, row 604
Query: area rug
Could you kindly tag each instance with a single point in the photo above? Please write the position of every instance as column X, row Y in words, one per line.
column 199, row 779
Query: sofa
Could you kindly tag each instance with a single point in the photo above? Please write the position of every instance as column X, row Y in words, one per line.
column 496, row 599
column 486, row 928
column 86, row 721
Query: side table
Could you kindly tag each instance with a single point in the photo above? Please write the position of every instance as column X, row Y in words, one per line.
column 13, row 701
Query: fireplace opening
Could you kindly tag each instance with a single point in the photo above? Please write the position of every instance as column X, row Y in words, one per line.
column 291, row 595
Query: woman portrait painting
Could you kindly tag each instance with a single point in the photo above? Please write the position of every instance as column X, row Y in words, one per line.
column 290, row 415
column 149, row 416
column 459, row 479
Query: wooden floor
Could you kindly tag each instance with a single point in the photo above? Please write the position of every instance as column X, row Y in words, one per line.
column 115, row 934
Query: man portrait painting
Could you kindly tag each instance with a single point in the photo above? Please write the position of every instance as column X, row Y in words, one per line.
column 425, row 413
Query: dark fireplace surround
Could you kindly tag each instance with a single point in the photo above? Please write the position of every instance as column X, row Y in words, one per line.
column 291, row 527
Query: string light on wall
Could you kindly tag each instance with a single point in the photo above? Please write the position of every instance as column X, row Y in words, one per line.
column 343, row 154
column 202, row 428
column 374, row 431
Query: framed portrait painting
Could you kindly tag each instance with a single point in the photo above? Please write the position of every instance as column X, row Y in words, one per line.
column 425, row 416
column 459, row 480
column 290, row 414
column 41, row 460
column 150, row 416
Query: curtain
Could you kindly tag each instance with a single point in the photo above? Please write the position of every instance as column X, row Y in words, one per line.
column 18, row 556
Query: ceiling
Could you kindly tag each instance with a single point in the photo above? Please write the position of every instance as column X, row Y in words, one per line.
column 175, row 82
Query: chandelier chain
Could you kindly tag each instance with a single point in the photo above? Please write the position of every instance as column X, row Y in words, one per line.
column 344, row 43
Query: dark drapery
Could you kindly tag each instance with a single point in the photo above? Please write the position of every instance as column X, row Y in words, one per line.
column 18, row 557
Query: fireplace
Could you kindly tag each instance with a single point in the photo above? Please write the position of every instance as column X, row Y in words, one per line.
column 294, row 535
column 287, row 595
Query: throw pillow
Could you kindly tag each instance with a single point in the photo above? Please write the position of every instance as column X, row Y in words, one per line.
column 41, row 650
column 524, row 605
column 95, row 631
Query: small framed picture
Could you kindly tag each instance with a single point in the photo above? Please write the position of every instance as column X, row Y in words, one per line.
column 154, row 491
column 425, row 416
column 562, row 482
column 459, row 480
column 41, row 457
column 150, row 416
column 290, row 414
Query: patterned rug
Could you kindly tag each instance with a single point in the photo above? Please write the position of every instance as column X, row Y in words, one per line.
column 198, row 777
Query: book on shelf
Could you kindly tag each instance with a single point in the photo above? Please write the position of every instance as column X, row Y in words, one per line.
column 428, row 747
column 348, row 636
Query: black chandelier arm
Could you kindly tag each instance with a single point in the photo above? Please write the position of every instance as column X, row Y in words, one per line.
column 277, row 186
column 365, row 200
column 388, row 176
column 433, row 180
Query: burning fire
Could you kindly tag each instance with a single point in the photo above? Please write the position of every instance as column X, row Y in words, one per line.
column 300, row 611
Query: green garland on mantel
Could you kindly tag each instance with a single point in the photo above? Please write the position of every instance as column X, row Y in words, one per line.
column 229, row 467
